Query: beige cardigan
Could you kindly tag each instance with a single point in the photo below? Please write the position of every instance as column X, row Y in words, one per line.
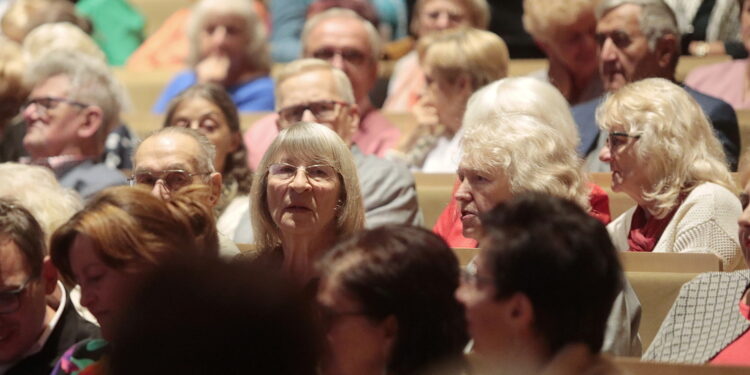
column 706, row 222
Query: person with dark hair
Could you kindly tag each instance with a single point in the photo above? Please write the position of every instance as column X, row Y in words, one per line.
column 519, row 320
column 386, row 301
column 108, row 247
column 33, row 333
column 221, row 318
column 209, row 109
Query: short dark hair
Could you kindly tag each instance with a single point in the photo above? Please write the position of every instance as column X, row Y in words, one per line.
column 216, row 317
column 561, row 258
column 412, row 274
column 19, row 225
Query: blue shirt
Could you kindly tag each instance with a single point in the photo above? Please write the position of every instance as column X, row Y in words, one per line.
column 252, row 96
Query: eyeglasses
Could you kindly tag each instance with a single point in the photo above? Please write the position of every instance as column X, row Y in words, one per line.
column 46, row 103
column 173, row 179
column 617, row 139
column 10, row 301
column 328, row 315
column 323, row 110
column 284, row 172
column 351, row 56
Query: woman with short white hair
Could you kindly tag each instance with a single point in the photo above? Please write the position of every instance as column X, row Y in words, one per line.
column 663, row 154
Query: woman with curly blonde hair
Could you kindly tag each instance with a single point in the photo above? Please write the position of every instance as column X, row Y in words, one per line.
column 663, row 153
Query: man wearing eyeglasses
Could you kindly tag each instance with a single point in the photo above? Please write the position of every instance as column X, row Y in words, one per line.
column 33, row 334
column 73, row 105
column 351, row 44
column 640, row 39
column 174, row 157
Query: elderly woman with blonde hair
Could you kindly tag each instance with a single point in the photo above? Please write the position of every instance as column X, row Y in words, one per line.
column 305, row 196
column 227, row 47
column 456, row 63
column 532, row 97
column 565, row 31
column 664, row 155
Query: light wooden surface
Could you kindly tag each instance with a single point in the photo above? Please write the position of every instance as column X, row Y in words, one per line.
column 670, row 262
column 633, row 366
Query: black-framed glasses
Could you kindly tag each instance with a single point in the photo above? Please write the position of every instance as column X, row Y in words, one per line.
column 10, row 301
column 46, row 103
column 617, row 139
column 323, row 110
column 285, row 172
column 350, row 55
column 173, row 179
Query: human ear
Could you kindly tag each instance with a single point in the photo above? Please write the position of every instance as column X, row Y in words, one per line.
column 93, row 120
column 49, row 275
column 666, row 49
column 214, row 184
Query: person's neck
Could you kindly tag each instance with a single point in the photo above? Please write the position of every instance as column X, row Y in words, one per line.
column 301, row 252
column 521, row 359
column 235, row 78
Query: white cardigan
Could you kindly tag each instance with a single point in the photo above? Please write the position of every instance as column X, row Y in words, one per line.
column 706, row 222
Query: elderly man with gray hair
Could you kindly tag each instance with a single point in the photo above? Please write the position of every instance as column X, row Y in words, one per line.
column 640, row 39
column 172, row 158
column 73, row 105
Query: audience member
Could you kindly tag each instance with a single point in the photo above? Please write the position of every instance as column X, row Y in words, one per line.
column 709, row 321
column 110, row 245
column 73, row 105
column 304, row 198
column 167, row 47
column 387, row 306
column 351, row 44
column 13, row 92
column 726, row 80
column 209, row 109
column 287, row 19
column 118, row 146
column 520, row 321
column 565, row 31
column 518, row 153
column 227, row 47
column 639, row 39
column 455, row 63
column 25, row 15
column 664, row 156
column 35, row 330
column 519, row 95
column 221, row 318
column 117, row 26
column 312, row 90
column 429, row 16
column 172, row 158
column 709, row 27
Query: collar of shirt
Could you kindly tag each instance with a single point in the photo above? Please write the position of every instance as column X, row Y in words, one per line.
column 55, row 162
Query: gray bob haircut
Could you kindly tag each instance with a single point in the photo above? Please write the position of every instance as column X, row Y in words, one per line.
column 257, row 50
column 91, row 83
column 315, row 144
column 297, row 67
column 203, row 162
column 372, row 34
column 657, row 18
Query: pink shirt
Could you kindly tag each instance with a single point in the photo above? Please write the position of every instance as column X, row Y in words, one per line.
column 725, row 81
column 375, row 136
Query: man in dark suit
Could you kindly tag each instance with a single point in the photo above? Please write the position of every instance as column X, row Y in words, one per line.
column 639, row 39
column 34, row 332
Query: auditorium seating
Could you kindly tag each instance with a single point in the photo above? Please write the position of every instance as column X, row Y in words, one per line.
column 433, row 194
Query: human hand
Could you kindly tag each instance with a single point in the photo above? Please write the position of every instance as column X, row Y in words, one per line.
column 213, row 69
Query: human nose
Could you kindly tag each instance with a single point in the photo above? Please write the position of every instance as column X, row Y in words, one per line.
column 88, row 297
column 462, row 293
column 300, row 181
column 463, row 191
column 337, row 61
column 744, row 220
column 605, row 154
column 160, row 190
column 31, row 112
column 443, row 20
column 308, row 116
column 218, row 36
column 608, row 50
